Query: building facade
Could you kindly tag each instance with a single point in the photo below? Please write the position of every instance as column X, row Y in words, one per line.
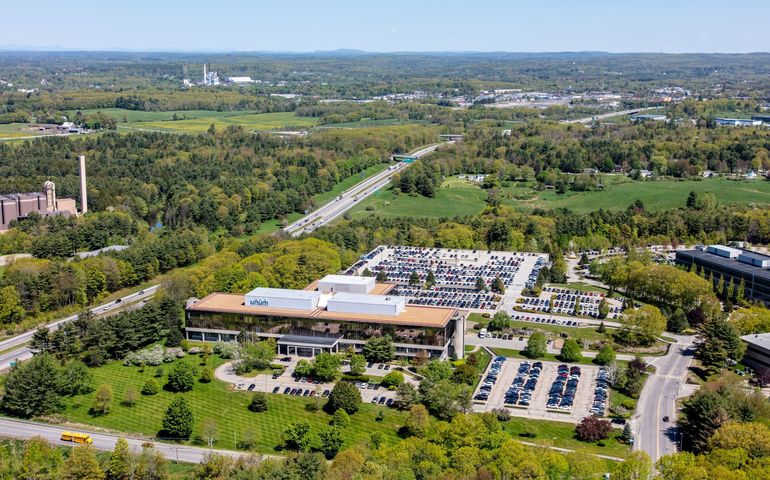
column 319, row 319
column 732, row 264
column 757, row 350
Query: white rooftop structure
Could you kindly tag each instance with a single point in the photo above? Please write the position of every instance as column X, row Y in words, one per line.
column 366, row 304
column 346, row 283
column 723, row 251
column 240, row 80
column 282, row 298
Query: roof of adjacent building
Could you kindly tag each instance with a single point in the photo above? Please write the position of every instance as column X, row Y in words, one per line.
column 726, row 263
column 366, row 299
column 759, row 339
column 412, row 315
column 347, row 279
column 379, row 288
column 282, row 293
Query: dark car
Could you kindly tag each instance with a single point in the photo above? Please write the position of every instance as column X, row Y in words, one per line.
column 118, row 300
column 252, row 387
column 276, row 389
column 326, row 393
column 666, row 419
column 287, row 390
column 306, row 393
column 382, row 400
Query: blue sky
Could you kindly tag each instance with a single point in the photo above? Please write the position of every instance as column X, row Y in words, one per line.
column 394, row 25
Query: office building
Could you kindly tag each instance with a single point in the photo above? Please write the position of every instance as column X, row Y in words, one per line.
column 732, row 264
column 330, row 315
column 757, row 350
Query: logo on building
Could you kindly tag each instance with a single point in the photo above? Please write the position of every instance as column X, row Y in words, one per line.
column 259, row 302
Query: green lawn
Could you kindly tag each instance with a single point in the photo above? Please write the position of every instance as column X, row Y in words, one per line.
column 549, row 357
column 259, row 121
column 16, row 130
column 455, row 197
column 587, row 333
column 218, row 402
column 656, row 195
column 561, row 434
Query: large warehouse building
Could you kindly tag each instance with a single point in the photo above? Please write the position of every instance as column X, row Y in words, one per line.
column 330, row 315
column 732, row 264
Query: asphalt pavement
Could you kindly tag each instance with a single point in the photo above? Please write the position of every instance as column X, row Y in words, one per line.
column 658, row 400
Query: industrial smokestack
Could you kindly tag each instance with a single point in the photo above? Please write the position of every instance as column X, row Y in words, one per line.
column 83, row 193
column 204, row 74
column 49, row 190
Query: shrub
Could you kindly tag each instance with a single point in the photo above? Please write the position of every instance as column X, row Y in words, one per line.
column 205, row 375
column 228, row 350
column 393, row 379
column 181, row 378
column 345, row 396
column 570, row 351
column 258, row 402
column 150, row 387
column 591, row 429
column 340, row 419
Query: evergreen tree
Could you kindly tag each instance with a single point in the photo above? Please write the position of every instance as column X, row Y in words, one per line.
column 33, row 387
column 258, row 402
column 430, row 279
column 345, row 396
column 570, row 351
column 379, row 349
column 181, row 378
column 331, row 441
column 381, row 277
column 414, row 278
column 178, row 421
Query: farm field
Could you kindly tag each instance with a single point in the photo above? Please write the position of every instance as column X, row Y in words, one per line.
column 259, row 121
column 455, row 197
column 122, row 115
column 10, row 131
column 217, row 401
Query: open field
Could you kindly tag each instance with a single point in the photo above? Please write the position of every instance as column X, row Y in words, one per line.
column 562, row 434
column 123, row 115
column 259, row 121
column 218, row 402
column 656, row 195
column 455, row 197
column 16, row 130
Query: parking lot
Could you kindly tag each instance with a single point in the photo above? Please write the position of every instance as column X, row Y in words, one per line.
column 288, row 384
column 456, row 273
column 526, row 389
column 567, row 301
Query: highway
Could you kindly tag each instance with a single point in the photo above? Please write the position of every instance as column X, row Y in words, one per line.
column 104, row 441
column 349, row 198
column 15, row 348
column 609, row 115
column 658, row 400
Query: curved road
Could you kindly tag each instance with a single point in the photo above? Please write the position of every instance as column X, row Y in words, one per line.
column 15, row 348
column 658, row 400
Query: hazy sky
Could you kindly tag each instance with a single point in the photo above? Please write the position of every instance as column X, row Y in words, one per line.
column 390, row 25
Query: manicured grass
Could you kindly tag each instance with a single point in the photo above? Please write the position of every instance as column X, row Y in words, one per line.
column 587, row 333
column 548, row 357
column 455, row 197
column 656, row 195
column 583, row 287
column 561, row 434
column 260, row 121
column 220, row 403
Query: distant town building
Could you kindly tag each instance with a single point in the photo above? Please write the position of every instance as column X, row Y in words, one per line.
column 648, row 118
column 738, row 122
column 240, row 80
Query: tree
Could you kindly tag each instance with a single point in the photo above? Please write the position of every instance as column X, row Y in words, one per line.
column 498, row 286
column 303, row 369
column 406, row 396
column 591, row 429
column 602, row 328
column 536, row 346
column 637, row 466
column 606, row 355
column 340, row 419
column 258, row 402
column 570, row 351
column 751, row 320
column 677, row 322
column 33, row 387
column 379, row 349
column 150, row 387
column 627, row 436
column 11, row 310
column 357, row 364
column 120, row 462
column 604, row 309
column 394, row 378
column 500, row 321
column 82, row 464
column 205, row 375
column 76, row 378
column 209, row 432
column 753, row 438
column 414, row 278
column 331, row 441
column 445, row 399
column 151, row 465
column 692, row 200
column 39, row 460
column 181, row 378
column 346, row 396
column 641, row 327
column 381, row 277
column 417, row 421
column 178, row 421
column 102, row 400
column 430, row 279
column 326, row 366
column 481, row 285
column 296, row 435
column 130, row 396
column 465, row 374
column 718, row 341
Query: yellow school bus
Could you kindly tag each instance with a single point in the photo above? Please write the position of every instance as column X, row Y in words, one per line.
column 76, row 437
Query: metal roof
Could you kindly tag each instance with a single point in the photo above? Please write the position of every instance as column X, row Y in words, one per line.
column 726, row 263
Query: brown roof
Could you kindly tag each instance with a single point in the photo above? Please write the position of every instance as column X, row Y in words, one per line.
column 415, row 315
